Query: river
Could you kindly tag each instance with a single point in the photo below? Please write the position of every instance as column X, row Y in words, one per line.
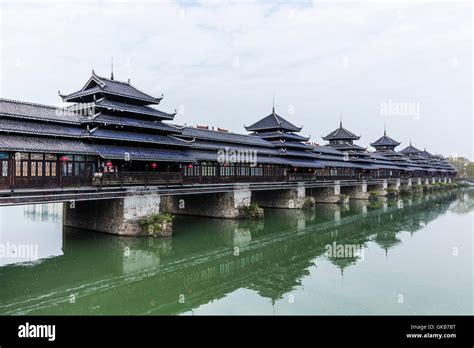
column 410, row 256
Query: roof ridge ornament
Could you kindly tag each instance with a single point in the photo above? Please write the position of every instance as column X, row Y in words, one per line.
column 112, row 69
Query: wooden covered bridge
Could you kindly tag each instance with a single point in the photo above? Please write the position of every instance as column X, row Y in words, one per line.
column 110, row 142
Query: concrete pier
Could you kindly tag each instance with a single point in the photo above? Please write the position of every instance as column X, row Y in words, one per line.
column 356, row 191
column 119, row 216
column 293, row 198
column 330, row 194
column 220, row 205
column 380, row 188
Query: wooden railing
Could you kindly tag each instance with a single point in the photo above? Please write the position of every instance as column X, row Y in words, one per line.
column 138, row 178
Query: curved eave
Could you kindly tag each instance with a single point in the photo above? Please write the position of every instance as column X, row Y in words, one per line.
column 76, row 96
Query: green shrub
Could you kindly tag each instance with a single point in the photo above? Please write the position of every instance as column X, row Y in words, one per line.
column 253, row 211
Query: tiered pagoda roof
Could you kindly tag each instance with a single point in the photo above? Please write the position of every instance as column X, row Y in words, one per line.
column 114, row 90
column 273, row 122
column 385, row 143
column 281, row 134
column 341, row 134
column 343, row 140
column 410, row 150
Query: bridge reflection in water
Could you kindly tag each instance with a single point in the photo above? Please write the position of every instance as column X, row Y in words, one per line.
column 211, row 260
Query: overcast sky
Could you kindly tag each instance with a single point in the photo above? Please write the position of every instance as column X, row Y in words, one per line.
column 407, row 65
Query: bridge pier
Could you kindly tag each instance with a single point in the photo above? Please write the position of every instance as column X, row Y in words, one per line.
column 293, row 198
column 379, row 188
column 330, row 194
column 356, row 191
column 395, row 185
column 120, row 216
column 229, row 205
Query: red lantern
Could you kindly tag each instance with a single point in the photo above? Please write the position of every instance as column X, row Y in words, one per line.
column 190, row 165
column 109, row 164
column 225, row 164
column 154, row 165
column 64, row 158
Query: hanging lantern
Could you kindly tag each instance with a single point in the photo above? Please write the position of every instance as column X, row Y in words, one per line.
column 296, row 168
column 225, row 164
column 109, row 164
column 190, row 165
column 154, row 165
column 64, row 158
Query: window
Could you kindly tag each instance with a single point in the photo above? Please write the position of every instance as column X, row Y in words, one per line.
column 33, row 168
column 25, row 168
column 4, row 168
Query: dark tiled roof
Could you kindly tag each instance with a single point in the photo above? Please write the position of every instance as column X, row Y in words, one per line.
column 293, row 153
column 341, row 134
column 306, row 164
column 130, row 108
column 385, row 141
column 291, row 144
column 283, row 135
column 272, row 122
column 226, row 137
column 43, row 128
column 142, row 154
column 425, row 154
column 213, row 145
column 348, row 147
column 135, row 137
column 410, row 149
column 119, row 88
column 46, row 145
column 327, row 150
column 131, row 122
column 200, row 155
column 18, row 109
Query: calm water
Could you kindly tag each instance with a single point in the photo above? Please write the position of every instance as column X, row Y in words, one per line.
column 416, row 257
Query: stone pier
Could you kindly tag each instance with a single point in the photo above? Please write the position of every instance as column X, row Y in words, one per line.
column 118, row 216
column 330, row 194
column 356, row 191
column 395, row 185
column 379, row 188
column 285, row 198
column 229, row 205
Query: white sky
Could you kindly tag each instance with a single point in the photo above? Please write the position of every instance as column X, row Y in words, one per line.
column 220, row 62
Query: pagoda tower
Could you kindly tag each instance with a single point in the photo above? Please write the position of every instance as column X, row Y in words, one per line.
column 123, row 127
column 342, row 139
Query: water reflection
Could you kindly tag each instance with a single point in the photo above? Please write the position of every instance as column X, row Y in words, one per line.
column 207, row 259
column 35, row 229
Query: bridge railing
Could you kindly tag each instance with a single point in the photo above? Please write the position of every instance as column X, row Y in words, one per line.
column 138, row 178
